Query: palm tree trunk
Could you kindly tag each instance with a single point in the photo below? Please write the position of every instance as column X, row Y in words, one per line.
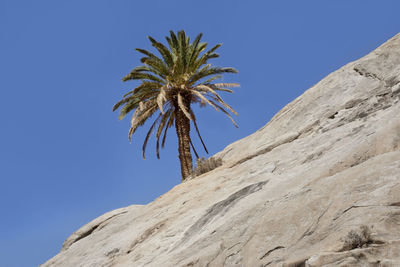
column 182, row 125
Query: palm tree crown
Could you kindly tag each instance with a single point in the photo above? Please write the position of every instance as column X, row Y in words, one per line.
column 169, row 85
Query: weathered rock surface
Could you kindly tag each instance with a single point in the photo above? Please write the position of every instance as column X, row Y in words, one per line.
column 288, row 195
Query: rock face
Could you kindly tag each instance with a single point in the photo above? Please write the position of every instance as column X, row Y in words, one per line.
column 294, row 193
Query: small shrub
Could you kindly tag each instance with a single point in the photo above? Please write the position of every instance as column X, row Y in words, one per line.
column 204, row 165
column 357, row 238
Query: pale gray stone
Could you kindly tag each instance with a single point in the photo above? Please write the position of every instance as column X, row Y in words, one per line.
column 287, row 195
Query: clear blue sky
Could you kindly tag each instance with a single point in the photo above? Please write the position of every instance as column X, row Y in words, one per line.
column 65, row 157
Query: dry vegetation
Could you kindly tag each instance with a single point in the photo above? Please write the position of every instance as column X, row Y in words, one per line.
column 204, row 165
column 357, row 238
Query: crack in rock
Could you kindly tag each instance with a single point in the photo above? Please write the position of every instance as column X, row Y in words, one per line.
column 112, row 253
column 267, row 148
column 389, row 83
column 365, row 73
column 396, row 204
column 270, row 251
column 237, row 261
column 312, row 228
column 85, row 232
column 146, row 234
column 220, row 208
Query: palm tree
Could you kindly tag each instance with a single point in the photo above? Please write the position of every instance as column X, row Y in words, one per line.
column 170, row 84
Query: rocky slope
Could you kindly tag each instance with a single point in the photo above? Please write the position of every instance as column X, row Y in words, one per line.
column 288, row 195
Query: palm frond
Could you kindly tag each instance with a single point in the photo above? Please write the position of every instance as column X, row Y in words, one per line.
column 163, row 123
column 141, row 76
column 212, row 79
column 226, row 113
column 194, row 48
column 194, row 149
column 127, row 94
column 204, row 72
column 182, row 50
column 133, row 102
column 128, row 107
column 148, row 135
column 123, row 101
column 147, row 53
column 226, row 85
column 216, row 97
column 206, row 88
column 169, row 41
column 153, row 60
column 193, row 66
column 206, row 56
column 199, row 74
column 161, row 99
column 197, row 130
column 169, row 125
column 140, row 116
column 223, row 103
column 174, row 41
column 147, row 86
column 221, row 89
column 151, row 66
column 204, row 99
column 182, row 106
column 165, row 53
column 156, row 66
column 214, row 48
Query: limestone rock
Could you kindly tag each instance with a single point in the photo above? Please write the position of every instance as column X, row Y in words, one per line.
column 287, row 195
